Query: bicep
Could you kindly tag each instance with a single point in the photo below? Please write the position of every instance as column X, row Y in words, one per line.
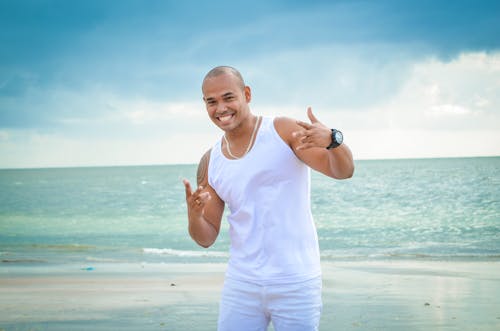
column 339, row 165
column 316, row 158
column 214, row 208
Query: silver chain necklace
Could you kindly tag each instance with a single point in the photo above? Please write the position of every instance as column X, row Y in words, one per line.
column 252, row 137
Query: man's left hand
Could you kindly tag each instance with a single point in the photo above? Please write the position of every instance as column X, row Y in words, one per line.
column 315, row 134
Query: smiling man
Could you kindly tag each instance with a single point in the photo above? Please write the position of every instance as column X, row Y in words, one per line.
column 261, row 169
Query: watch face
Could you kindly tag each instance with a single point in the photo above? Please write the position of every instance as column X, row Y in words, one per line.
column 339, row 137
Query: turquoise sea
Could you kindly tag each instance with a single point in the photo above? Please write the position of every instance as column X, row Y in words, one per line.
column 390, row 209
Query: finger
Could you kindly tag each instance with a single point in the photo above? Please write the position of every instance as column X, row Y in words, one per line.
column 305, row 146
column 304, row 135
column 200, row 201
column 198, row 190
column 197, row 203
column 305, row 125
column 187, row 186
column 198, row 196
column 306, row 140
column 311, row 116
column 204, row 197
column 299, row 134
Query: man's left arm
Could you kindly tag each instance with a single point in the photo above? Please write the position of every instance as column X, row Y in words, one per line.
column 309, row 142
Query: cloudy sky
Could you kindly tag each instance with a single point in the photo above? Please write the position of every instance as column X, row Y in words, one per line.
column 89, row 82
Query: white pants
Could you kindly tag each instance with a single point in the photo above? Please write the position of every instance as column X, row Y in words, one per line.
column 291, row 307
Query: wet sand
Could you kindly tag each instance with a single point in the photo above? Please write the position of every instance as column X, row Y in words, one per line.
column 360, row 295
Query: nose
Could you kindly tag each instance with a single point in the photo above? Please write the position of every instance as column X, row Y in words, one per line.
column 221, row 107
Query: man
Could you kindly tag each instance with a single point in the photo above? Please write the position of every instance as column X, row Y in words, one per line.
column 261, row 170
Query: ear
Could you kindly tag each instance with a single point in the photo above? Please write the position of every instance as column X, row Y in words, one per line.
column 248, row 94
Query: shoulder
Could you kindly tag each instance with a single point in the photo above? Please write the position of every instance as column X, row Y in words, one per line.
column 202, row 173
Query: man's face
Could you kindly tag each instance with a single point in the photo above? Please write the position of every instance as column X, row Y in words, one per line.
column 226, row 101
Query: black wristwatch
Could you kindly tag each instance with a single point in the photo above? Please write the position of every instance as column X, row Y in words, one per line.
column 337, row 139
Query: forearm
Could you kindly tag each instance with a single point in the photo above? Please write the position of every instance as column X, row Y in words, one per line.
column 204, row 207
column 340, row 162
column 201, row 230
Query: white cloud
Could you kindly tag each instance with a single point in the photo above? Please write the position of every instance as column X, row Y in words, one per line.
column 421, row 143
column 463, row 94
column 436, row 109
column 444, row 109
column 32, row 149
column 143, row 111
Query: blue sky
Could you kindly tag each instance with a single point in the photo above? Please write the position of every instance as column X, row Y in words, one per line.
column 118, row 82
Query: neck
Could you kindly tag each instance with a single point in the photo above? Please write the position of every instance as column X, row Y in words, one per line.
column 238, row 149
column 243, row 130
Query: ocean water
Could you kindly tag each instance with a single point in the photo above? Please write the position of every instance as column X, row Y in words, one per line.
column 390, row 209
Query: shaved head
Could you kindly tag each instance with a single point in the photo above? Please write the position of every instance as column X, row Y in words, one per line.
column 225, row 70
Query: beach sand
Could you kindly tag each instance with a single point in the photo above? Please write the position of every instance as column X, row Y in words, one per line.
column 358, row 295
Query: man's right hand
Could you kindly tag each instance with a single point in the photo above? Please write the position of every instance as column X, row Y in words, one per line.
column 195, row 200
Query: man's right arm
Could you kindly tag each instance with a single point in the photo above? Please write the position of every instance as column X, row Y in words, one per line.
column 205, row 207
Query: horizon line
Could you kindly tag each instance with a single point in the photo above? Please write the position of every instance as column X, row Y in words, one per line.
column 194, row 164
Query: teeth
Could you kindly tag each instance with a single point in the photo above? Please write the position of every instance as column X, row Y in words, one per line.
column 225, row 118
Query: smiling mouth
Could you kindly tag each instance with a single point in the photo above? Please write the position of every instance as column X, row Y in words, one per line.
column 225, row 117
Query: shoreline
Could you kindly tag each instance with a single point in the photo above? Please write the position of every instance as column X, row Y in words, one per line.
column 357, row 295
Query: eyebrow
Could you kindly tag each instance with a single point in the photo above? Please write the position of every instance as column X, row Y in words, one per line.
column 225, row 95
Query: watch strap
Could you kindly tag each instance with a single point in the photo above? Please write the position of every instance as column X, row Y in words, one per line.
column 334, row 142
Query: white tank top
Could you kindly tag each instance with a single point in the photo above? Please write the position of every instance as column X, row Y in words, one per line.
column 273, row 236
